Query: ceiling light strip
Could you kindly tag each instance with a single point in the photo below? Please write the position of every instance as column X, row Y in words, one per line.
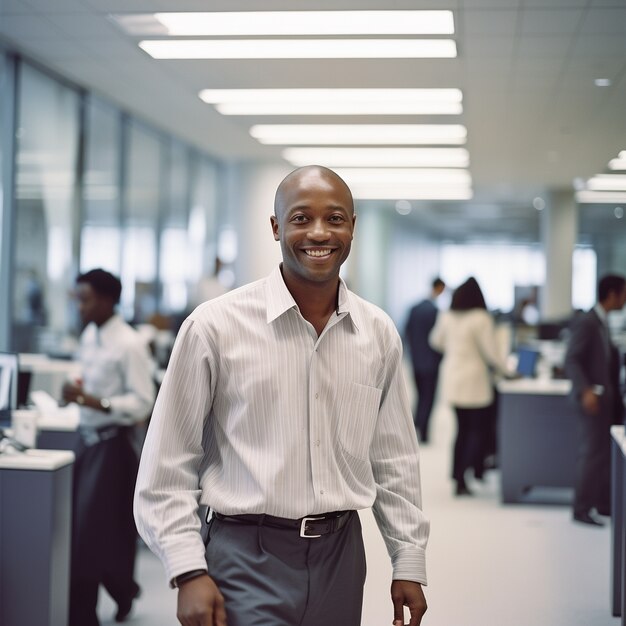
column 350, row 95
column 600, row 197
column 306, row 23
column 404, row 176
column 396, row 192
column 355, row 134
column 378, row 157
column 299, row 48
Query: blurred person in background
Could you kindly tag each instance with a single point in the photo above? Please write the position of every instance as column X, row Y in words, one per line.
column 424, row 359
column 115, row 391
column 592, row 363
column 466, row 336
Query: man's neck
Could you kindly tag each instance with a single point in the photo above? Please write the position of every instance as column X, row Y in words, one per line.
column 316, row 301
column 101, row 322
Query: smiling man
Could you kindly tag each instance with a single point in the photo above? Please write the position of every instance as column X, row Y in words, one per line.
column 284, row 410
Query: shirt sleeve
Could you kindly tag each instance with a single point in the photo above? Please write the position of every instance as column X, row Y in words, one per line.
column 395, row 463
column 135, row 403
column 576, row 356
column 437, row 336
column 168, row 484
column 488, row 345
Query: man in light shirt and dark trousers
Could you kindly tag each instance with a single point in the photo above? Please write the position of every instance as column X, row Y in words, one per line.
column 284, row 410
column 116, row 390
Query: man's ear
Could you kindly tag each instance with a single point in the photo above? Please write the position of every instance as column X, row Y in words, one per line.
column 275, row 227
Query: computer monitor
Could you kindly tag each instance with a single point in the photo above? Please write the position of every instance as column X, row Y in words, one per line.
column 527, row 362
column 9, row 372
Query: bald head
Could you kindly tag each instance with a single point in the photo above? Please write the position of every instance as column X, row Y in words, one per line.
column 301, row 176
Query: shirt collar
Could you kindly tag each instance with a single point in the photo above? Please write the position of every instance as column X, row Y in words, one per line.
column 601, row 313
column 279, row 299
column 109, row 326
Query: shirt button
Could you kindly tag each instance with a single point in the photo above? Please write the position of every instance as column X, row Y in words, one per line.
column 317, row 395
column 321, row 491
column 317, row 442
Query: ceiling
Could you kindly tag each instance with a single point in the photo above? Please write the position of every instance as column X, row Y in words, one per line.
column 534, row 117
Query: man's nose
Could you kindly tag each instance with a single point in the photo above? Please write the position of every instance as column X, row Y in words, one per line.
column 319, row 230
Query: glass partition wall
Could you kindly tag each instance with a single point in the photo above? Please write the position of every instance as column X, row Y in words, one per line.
column 46, row 217
column 93, row 186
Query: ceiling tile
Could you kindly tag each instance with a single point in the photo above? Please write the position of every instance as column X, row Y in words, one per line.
column 480, row 47
column 550, row 22
column 601, row 21
column 14, row 7
column 85, row 26
column 543, row 47
column 23, row 28
column 489, row 22
column 59, row 6
column 594, row 47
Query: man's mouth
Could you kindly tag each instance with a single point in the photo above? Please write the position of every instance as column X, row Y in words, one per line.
column 318, row 253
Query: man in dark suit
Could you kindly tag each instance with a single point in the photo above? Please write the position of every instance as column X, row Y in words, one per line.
column 592, row 362
column 425, row 360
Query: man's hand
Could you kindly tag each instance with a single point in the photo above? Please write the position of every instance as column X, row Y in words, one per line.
column 200, row 603
column 591, row 402
column 72, row 391
column 407, row 593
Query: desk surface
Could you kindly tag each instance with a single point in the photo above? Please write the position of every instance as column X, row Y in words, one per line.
column 539, row 386
column 46, row 460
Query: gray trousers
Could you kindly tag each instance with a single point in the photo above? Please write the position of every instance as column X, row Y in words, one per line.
column 273, row 577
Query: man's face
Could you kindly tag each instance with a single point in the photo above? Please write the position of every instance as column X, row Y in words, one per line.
column 314, row 223
column 92, row 307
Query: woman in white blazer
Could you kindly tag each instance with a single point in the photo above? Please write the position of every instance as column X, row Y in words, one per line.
column 466, row 336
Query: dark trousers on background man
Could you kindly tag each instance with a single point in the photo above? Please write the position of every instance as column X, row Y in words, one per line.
column 104, row 537
column 426, row 385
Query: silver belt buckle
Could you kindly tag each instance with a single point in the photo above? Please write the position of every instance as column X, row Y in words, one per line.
column 303, row 527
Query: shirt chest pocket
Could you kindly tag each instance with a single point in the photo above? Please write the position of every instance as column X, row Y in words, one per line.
column 358, row 412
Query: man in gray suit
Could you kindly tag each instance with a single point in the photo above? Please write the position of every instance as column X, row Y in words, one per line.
column 592, row 362
column 425, row 360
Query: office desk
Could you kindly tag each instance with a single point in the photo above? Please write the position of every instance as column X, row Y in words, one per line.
column 35, row 524
column 618, row 519
column 48, row 374
column 537, row 436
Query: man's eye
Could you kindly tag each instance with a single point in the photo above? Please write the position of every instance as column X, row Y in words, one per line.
column 336, row 218
column 298, row 218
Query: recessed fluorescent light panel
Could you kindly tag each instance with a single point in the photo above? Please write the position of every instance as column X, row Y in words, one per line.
column 378, row 157
column 407, row 183
column 619, row 163
column 299, row 48
column 396, row 192
column 404, row 176
column 600, row 197
column 607, row 182
column 446, row 101
column 289, row 23
column 359, row 134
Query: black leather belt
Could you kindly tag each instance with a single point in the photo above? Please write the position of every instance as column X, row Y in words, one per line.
column 309, row 527
column 92, row 436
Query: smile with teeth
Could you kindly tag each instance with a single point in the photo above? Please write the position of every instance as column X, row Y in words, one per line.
column 319, row 252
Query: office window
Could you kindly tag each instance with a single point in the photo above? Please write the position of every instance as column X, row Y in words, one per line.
column 201, row 228
column 173, row 253
column 141, row 219
column 46, row 158
column 498, row 268
column 101, row 236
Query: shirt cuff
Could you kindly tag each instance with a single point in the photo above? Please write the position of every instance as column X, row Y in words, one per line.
column 409, row 564
column 181, row 558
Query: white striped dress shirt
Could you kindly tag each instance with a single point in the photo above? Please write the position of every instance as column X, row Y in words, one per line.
column 257, row 414
column 116, row 365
